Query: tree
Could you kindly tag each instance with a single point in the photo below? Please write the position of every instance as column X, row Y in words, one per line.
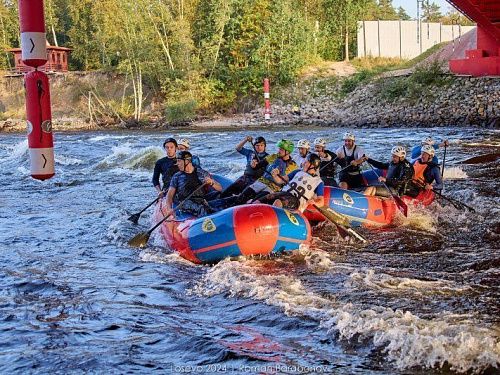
column 402, row 15
column 431, row 12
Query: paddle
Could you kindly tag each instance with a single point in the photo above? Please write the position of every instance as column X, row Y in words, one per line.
column 141, row 239
column 481, row 159
column 341, row 222
column 134, row 218
column 455, row 202
column 444, row 160
column 399, row 202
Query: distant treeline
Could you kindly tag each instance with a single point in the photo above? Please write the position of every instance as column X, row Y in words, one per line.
column 208, row 52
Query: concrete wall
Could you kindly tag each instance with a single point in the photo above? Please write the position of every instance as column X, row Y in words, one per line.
column 403, row 39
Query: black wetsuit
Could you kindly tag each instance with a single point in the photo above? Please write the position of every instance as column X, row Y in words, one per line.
column 398, row 176
column 166, row 167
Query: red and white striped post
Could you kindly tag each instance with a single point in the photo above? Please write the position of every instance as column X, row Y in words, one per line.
column 36, row 83
column 267, row 103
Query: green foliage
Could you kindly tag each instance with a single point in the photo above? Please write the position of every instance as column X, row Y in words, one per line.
column 351, row 83
column 178, row 113
column 415, row 86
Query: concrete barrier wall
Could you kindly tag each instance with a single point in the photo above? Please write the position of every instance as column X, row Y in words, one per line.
column 403, row 39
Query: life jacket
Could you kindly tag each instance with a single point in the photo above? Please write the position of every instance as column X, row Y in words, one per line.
column 191, row 183
column 353, row 169
column 423, row 171
column 285, row 167
column 303, row 186
column 327, row 166
column 171, row 170
column 399, row 174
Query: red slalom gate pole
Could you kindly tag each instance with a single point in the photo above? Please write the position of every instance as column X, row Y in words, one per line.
column 267, row 103
column 36, row 83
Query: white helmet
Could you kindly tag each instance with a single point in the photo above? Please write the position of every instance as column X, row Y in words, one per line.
column 399, row 151
column 320, row 142
column 303, row 143
column 183, row 142
column 349, row 136
column 428, row 141
column 428, row 149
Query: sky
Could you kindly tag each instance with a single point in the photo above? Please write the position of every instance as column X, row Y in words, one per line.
column 411, row 6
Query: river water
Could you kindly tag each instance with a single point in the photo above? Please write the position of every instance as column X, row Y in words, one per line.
column 422, row 297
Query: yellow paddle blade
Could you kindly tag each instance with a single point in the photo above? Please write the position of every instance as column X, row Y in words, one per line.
column 334, row 216
column 139, row 240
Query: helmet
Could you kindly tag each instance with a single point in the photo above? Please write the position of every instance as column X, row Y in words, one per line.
column 259, row 140
column 320, row 142
column 183, row 155
column 286, row 145
column 428, row 149
column 314, row 159
column 399, row 151
column 349, row 136
column 303, row 143
column 170, row 140
column 184, row 142
column 428, row 141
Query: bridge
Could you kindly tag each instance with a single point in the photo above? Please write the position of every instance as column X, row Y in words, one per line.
column 485, row 59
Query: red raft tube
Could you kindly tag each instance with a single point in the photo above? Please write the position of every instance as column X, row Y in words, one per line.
column 251, row 229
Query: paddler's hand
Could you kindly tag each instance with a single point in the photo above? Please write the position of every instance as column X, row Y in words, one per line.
column 209, row 181
column 382, row 179
column 253, row 163
column 275, row 172
column 428, row 187
column 161, row 194
column 249, row 139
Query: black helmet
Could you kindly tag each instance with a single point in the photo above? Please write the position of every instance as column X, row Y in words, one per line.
column 259, row 140
column 170, row 140
column 314, row 159
column 183, row 155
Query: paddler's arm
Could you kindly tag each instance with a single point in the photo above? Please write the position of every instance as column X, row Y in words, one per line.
column 240, row 145
column 378, row 164
column 213, row 183
column 318, row 199
column 170, row 197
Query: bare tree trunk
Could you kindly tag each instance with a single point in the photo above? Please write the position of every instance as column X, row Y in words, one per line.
column 54, row 36
column 346, row 57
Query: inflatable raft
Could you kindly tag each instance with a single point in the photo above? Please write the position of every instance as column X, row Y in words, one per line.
column 369, row 211
column 251, row 229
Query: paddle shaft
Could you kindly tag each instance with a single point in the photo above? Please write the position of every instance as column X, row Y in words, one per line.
column 399, row 202
column 149, row 205
column 453, row 201
column 173, row 210
column 444, row 160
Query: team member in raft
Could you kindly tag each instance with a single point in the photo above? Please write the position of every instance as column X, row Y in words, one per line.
column 328, row 160
column 426, row 173
column 186, row 181
column 276, row 165
column 303, row 147
column 353, row 155
column 305, row 187
column 184, row 145
column 399, row 174
column 417, row 150
column 166, row 167
column 251, row 173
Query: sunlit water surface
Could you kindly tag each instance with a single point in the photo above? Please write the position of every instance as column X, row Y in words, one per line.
column 422, row 297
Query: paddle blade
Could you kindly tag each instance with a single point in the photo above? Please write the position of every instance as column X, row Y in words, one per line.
column 134, row 218
column 139, row 240
column 401, row 205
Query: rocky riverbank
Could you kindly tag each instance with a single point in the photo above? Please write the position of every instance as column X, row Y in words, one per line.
column 456, row 101
column 412, row 99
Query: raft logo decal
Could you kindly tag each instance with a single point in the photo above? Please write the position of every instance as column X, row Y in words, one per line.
column 47, row 126
column 208, row 226
column 291, row 217
column 348, row 198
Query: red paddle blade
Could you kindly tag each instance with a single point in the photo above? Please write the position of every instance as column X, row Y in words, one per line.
column 401, row 205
